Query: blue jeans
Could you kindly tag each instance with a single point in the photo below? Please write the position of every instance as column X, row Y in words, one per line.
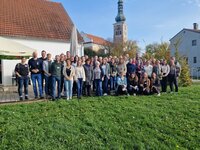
column 23, row 82
column 47, row 85
column 68, row 86
column 38, row 78
column 79, row 87
column 98, row 86
column 54, row 80
column 105, row 85
column 113, row 82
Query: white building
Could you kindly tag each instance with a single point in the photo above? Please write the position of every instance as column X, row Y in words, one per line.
column 187, row 41
column 95, row 43
column 38, row 24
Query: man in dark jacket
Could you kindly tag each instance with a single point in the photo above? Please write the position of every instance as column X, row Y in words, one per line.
column 35, row 65
column 56, row 69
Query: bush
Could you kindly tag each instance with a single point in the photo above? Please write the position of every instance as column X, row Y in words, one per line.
column 185, row 79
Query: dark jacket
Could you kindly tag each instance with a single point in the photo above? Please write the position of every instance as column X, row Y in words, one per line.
column 35, row 64
column 88, row 74
column 56, row 69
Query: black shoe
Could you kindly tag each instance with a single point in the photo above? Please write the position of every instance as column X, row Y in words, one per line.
column 26, row 98
column 21, row 99
column 53, row 99
column 41, row 97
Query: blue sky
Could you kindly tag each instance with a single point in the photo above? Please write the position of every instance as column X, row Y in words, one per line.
column 148, row 20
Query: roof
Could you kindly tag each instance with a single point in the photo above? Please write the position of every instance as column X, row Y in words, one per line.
column 35, row 19
column 190, row 30
column 97, row 40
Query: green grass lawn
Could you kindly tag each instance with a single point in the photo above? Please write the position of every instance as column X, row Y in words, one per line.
column 171, row 121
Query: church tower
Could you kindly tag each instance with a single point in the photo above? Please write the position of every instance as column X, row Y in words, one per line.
column 120, row 27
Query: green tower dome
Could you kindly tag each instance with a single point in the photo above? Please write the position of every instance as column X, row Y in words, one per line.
column 120, row 17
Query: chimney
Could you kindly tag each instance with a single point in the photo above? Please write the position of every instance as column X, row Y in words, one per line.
column 196, row 26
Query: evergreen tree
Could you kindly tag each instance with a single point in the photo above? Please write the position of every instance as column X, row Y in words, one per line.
column 185, row 79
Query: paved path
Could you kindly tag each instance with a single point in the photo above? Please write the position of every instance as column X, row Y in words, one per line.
column 11, row 94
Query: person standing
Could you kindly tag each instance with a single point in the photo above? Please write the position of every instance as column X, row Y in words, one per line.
column 173, row 76
column 47, row 75
column 106, row 72
column 22, row 72
column 42, row 59
column 164, row 74
column 79, row 78
column 113, row 74
column 148, row 68
column 130, row 68
column 62, row 61
column 56, row 77
column 68, row 72
column 35, row 65
column 98, row 77
column 121, row 67
column 88, row 77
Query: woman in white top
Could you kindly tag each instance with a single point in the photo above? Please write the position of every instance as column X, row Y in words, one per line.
column 79, row 78
column 164, row 73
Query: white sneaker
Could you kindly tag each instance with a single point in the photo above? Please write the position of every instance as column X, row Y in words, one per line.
column 159, row 94
column 68, row 98
column 105, row 94
column 134, row 94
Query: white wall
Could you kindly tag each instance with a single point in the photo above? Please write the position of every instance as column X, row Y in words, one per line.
column 53, row 47
column 186, row 48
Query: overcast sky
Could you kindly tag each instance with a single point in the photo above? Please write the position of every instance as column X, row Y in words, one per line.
column 148, row 20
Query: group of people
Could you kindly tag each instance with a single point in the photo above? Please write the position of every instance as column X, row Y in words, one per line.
column 68, row 75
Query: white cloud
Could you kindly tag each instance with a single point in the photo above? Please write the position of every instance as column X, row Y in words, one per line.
column 193, row 2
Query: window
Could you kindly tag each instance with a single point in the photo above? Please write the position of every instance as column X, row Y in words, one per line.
column 195, row 60
column 194, row 42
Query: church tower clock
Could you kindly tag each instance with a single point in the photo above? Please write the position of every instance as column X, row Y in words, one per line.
column 120, row 27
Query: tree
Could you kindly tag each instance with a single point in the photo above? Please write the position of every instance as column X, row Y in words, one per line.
column 158, row 51
column 185, row 79
column 130, row 47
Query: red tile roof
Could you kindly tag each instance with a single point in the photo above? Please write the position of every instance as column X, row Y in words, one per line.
column 97, row 40
column 35, row 19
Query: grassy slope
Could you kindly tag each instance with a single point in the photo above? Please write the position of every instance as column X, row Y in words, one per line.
column 167, row 122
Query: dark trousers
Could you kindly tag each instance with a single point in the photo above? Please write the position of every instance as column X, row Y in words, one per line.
column 87, row 90
column 54, row 80
column 48, row 85
column 23, row 82
column 105, row 85
column 164, row 84
column 79, row 87
column 120, row 90
column 173, row 81
column 74, row 88
column 113, row 82
column 62, row 85
column 98, row 87
column 144, row 91
column 155, row 90
column 132, row 90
